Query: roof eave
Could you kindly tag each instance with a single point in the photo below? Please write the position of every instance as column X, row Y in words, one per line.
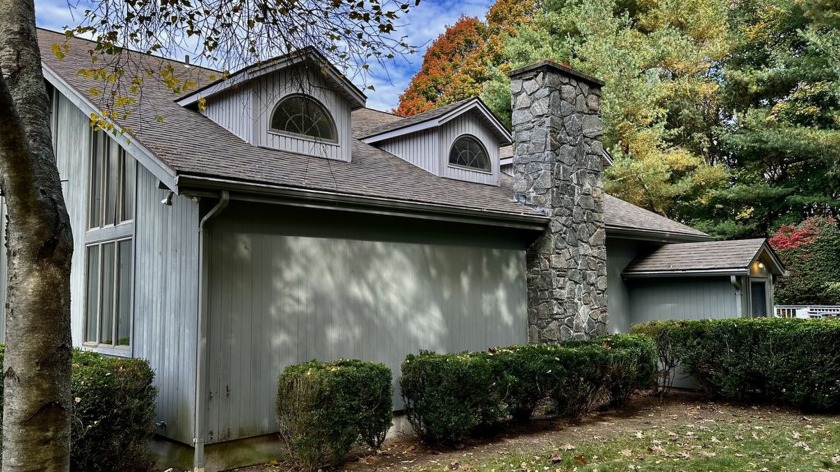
column 356, row 98
column 687, row 273
column 498, row 128
column 625, row 232
column 309, row 198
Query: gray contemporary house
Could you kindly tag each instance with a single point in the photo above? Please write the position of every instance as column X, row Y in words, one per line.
column 272, row 218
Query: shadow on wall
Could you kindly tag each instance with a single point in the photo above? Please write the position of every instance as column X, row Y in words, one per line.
column 288, row 286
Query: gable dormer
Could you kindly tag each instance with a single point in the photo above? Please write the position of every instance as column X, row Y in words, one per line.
column 298, row 103
column 459, row 141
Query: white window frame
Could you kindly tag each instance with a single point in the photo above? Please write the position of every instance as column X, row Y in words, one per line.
column 111, row 233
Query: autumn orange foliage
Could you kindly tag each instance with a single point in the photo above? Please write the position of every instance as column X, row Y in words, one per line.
column 458, row 62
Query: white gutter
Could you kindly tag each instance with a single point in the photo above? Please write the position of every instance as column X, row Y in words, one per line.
column 201, row 344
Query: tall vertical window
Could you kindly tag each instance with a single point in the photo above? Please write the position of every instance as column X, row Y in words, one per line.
column 109, row 275
column 112, row 174
column 109, row 271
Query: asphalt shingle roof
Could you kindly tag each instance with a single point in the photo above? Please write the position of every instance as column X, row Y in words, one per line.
column 621, row 214
column 414, row 119
column 708, row 255
column 189, row 144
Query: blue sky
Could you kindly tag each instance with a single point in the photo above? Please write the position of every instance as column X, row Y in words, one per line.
column 423, row 24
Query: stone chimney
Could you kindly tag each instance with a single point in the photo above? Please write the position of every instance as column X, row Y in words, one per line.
column 557, row 154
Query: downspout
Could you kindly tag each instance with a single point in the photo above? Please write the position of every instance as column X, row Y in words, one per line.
column 201, row 344
column 739, row 299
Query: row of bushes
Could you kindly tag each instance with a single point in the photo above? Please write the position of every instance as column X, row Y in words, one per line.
column 113, row 412
column 324, row 409
column 789, row 361
column 447, row 396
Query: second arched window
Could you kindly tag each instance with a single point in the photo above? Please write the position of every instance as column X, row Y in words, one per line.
column 467, row 151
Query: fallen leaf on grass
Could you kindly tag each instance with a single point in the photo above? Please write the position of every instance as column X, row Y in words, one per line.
column 555, row 458
column 715, row 440
column 802, row 444
column 626, row 452
column 658, row 450
column 795, row 435
column 580, row 460
column 639, row 435
column 835, row 459
column 567, row 447
column 707, row 454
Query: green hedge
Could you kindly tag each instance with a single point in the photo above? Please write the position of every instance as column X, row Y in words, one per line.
column 449, row 395
column 790, row 361
column 113, row 412
column 323, row 409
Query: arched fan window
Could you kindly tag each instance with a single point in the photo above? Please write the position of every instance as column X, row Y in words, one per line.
column 467, row 151
column 303, row 116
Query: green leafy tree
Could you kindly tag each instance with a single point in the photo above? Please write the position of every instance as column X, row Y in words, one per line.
column 811, row 254
column 658, row 60
column 780, row 132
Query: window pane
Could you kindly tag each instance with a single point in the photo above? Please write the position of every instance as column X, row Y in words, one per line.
column 129, row 171
column 467, row 151
column 305, row 116
column 96, row 165
column 106, row 328
column 125, row 282
column 92, row 312
column 112, row 186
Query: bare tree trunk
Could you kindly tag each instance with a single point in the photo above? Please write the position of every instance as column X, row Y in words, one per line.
column 36, row 425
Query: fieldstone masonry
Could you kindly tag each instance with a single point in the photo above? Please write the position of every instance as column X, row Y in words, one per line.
column 557, row 169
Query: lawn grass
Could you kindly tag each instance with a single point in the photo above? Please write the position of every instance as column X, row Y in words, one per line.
column 743, row 439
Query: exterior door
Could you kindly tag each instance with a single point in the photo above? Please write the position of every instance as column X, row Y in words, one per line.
column 758, row 298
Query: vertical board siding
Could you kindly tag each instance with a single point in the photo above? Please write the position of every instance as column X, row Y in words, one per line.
column 165, row 300
column 72, row 153
column 421, row 149
column 270, row 89
column 620, row 252
column 469, row 123
column 290, row 286
column 165, row 273
column 233, row 111
column 689, row 298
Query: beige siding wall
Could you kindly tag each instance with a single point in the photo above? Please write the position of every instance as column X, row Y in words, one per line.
column 683, row 298
column 72, row 152
column 469, row 123
column 166, row 274
column 165, row 300
column 290, row 286
column 233, row 111
column 420, row 149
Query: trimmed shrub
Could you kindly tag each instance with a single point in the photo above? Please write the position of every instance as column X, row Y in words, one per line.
column 796, row 362
column 324, row 409
column 113, row 412
column 448, row 395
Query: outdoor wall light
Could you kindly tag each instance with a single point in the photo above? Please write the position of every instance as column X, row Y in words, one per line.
column 167, row 200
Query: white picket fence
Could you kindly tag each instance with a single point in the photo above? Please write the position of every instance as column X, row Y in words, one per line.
column 807, row 311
